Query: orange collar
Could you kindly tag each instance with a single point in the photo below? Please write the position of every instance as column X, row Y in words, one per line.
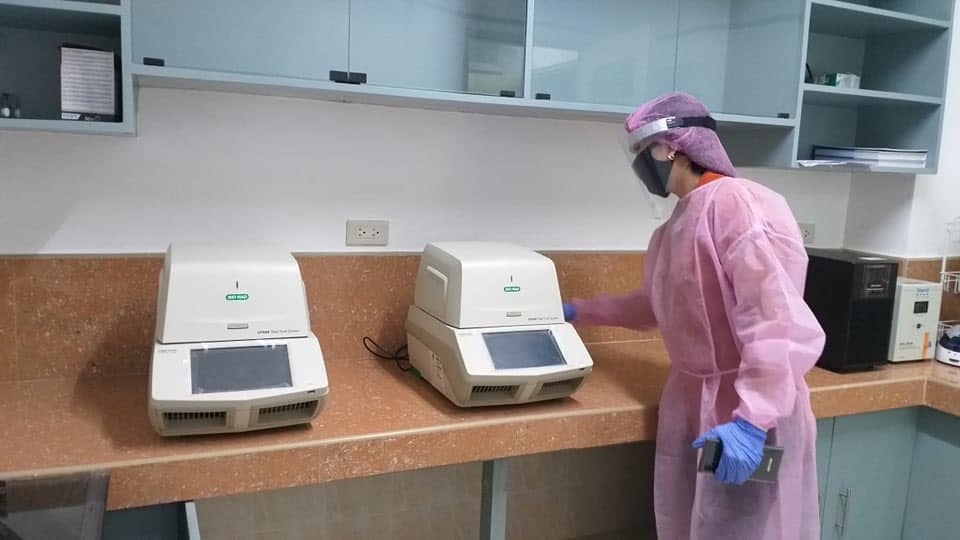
column 708, row 177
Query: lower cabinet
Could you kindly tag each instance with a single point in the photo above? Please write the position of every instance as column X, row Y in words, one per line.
column 864, row 468
column 932, row 510
column 171, row 521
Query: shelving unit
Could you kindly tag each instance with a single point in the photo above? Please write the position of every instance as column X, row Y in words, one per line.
column 32, row 31
column 742, row 58
column 900, row 50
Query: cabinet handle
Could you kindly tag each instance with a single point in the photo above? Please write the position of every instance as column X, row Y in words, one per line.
column 3, row 499
column 841, row 523
column 348, row 77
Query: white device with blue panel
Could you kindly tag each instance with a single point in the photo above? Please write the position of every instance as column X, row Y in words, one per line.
column 487, row 327
column 234, row 350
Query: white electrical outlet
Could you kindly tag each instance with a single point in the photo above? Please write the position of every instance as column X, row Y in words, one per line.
column 368, row 232
column 809, row 232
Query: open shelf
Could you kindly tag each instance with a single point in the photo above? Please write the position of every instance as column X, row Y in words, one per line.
column 910, row 126
column 819, row 94
column 858, row 169
column 32, row 33
column 858, row 21
column 168, row 77
column 68, row 126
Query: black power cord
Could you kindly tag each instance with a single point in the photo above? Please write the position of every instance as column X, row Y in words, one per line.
column 400, row 355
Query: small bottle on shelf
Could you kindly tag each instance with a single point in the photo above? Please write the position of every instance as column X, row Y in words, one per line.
column 5, row 105
column 15, row 106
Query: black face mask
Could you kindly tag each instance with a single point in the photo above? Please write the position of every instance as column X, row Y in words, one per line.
column 652, row 172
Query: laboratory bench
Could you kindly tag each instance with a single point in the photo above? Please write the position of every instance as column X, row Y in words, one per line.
column 378, row 420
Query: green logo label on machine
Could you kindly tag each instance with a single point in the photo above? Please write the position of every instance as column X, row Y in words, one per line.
column 238, row 297
column 511, row 288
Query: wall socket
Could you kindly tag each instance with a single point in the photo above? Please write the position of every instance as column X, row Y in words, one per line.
column 368, row 232
column 809, row 233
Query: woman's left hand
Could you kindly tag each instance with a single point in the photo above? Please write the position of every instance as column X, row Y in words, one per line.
column 742, row 449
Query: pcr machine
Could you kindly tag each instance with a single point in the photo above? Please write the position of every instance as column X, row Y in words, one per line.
column 234, row 350
column 487, row 327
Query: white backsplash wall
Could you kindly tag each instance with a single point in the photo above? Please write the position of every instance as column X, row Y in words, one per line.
column 213, row 166
column 936, row 198
column 878, row 218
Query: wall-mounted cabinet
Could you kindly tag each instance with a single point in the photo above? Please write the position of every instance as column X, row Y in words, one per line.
column 741, row 56
column 463, row 46
column 302, row 39
column 32, row 33
column 617, row 52
column 746, row 59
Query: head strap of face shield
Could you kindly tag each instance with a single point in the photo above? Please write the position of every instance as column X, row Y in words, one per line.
column 641, row 136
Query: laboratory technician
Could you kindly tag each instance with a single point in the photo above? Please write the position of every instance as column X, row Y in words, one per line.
column 723, row 282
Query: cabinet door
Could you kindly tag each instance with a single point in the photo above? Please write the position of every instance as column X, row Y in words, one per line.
column 742, row 56
column 612, row 52
column 869, row 475
column 473, row 46
column 935, row 479
column 295, row 38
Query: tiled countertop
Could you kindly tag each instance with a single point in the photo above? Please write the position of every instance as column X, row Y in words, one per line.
column 377, row 420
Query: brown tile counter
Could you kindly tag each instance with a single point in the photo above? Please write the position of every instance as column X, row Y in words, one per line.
column 377, row 420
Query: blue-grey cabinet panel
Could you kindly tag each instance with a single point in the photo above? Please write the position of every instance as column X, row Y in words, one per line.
column 741, row 56
column 935, row 481
column 158, row 522
column 474, row 46
column 296, row 38
column 616, row 52
column 869, row 474
column 824, row 444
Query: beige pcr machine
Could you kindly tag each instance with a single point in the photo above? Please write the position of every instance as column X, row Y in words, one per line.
column 487, row 327
column 234, row 350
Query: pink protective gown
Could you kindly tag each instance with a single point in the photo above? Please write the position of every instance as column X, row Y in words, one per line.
column 724, row 283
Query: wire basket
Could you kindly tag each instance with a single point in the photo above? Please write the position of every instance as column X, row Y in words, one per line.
column 950, row 280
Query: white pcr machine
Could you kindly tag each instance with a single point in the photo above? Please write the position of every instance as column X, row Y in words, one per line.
column 487, row 327
column 234, row 350
column 916, row 316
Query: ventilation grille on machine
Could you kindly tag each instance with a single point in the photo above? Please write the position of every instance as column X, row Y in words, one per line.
column 291, row 411
column 560, row 387
column 494, row 391
column 195, row 419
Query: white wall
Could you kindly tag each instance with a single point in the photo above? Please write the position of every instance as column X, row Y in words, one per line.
column 936, row 198
column 211, row 166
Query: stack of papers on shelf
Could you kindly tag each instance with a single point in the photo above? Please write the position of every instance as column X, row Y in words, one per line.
column 87, row 84
column 893, row 158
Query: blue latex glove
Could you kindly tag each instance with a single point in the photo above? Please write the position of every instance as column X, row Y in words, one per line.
column 569, row 312
column 742, row 449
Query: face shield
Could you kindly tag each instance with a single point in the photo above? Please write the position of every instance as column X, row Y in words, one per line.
column 651, row 169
